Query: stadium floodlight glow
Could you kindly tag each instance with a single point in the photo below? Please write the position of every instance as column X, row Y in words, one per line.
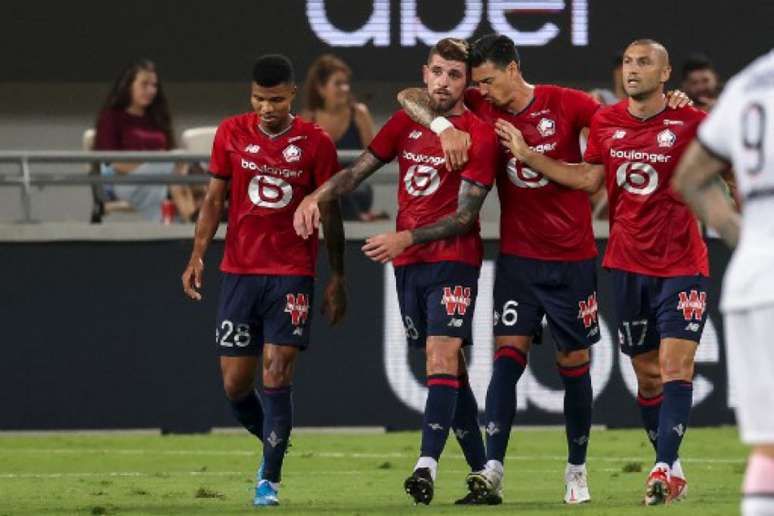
column 376, row 29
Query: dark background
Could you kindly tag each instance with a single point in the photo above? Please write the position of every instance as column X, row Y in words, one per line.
column 98, row 335
column 201, row 40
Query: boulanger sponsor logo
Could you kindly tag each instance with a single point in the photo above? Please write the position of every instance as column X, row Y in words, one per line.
column 423, row 158
column 534, row 392
column 546, row 127
column 273, row 171
column 634, row 155
column 421, row 180
column 666, row 138
column 523, row 177
column 543, row 148
column 637, row 178
column 269, row 192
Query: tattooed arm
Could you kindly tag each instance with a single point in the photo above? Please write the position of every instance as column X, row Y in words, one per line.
column 307, row 216
column 386, row 246
column 455, row 143
column 335, row 298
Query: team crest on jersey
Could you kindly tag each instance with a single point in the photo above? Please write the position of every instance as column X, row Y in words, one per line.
column 252, row 149
column 619, row 134
column 692, row 304
column 415, row 135
column 291, row 153
column 456, row 299
column 587, row 310
column 297, row 305
column 666, row 138
column 546, row 127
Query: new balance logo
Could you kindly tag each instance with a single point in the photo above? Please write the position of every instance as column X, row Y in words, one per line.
column 415, row 135
column 460, row 433
column 435, row 426
column 273, row 439
column 456, row 299
column 692, row 304
column 455, row 323
column 299, row 331
column 492, row 429
column 694, row 327
column 679, row 429
column 587, row 310
column 252, row 149
column 580, row 441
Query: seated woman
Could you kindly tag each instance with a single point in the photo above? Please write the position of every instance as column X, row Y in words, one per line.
column 329, row 102
column 135, row 117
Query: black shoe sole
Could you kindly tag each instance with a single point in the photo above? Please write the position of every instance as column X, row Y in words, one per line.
column 420, row 489
column 481, row 490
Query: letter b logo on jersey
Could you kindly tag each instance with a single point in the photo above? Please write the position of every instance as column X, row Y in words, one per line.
column 456, row 299
column 637, row 178
column 421, row 180
column 269, row 192
column 523, row 177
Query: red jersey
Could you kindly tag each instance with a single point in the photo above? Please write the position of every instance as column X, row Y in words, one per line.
column 270, row 175
column 538, row 218
column 427, row 190
column 652, row 231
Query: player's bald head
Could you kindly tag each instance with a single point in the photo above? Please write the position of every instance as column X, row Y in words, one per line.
column 657, row 48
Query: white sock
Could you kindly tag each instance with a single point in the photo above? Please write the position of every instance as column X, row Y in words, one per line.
column 758, row 506
column 429, row 463
column 677, row 469
column 576, row 468
column 495, row 465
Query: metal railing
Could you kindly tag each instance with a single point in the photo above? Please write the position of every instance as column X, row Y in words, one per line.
column 26, row 179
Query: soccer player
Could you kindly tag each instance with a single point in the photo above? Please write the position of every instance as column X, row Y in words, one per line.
column 436, row 251
column 267, row 161
column 655, row 254
column 739, row 131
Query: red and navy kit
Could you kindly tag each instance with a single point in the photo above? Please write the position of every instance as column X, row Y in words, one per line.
column 655, row 251
column 427, row 190
column 266, row 295
column 270, row 175
column 538, row 218
column 547, row 256
column 436, row 281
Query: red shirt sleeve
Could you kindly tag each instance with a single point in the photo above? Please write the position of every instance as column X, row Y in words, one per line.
column 108, row 135
column 483, row 156
column 580, row 105
column 220, row 164
column 326, row 161
column 593, row 152
column 385, row 144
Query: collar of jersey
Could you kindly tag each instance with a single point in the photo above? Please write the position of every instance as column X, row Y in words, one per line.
column 275, row 136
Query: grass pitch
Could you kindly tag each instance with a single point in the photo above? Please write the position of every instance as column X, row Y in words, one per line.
column 345, row 474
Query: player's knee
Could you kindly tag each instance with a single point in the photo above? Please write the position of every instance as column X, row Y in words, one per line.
column 277, row 372
column 676, row 368
column 573, row 358
column 442, row 358
column 237, row 386
column 519, row 342
column 649, row 381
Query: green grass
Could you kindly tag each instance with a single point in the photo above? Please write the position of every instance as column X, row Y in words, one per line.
column 344, row 474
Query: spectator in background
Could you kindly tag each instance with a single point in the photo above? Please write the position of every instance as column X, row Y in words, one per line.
column 608, row 97
column 135, row 117
column 328, row 102
column 700, row 81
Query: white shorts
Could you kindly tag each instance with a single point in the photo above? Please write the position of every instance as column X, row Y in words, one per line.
column 750, row 356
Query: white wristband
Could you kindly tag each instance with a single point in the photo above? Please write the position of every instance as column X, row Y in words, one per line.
column 440, row 124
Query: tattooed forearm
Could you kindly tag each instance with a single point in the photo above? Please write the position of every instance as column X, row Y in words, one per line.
column 416, row 104
column 471, row 198
column 333, row 229
column 348, row 178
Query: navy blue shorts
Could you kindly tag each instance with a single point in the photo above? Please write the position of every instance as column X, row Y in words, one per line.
column 650, row 308
column 564, row 292
column 437, row 299
column 255, row 309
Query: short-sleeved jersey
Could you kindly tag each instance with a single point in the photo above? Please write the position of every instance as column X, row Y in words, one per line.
column 540, row 219
column 427, row 190
column 652, row 230
column 740, row 130
column 270, row 175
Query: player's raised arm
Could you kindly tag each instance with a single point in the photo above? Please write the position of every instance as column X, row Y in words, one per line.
column 698, row 179
column 455, row 143
column 307, row 216
column 386, row 246
column 206, row 226
column 578, row 176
